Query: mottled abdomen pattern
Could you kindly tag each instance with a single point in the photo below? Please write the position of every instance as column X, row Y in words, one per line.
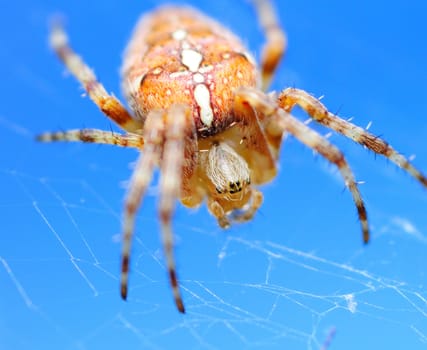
column 190, row 59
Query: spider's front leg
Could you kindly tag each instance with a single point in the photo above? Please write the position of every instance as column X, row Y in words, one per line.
column 108, row 104
column 154, row 136
column 179, row 136
column 291, row 97
column 169, row 136
column 276, row 121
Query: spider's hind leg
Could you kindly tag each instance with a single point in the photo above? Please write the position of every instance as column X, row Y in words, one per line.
column 275, row 46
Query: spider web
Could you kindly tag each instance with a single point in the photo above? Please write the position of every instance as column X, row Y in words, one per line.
column 241, row 288
column 246, row 287
column 295, row 277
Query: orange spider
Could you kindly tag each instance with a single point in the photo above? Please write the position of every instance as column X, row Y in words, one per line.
column 201, row 115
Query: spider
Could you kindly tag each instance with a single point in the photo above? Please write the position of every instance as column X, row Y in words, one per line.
column 201, row 115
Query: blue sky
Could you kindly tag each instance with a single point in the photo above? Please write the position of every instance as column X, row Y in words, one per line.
column 288, row 279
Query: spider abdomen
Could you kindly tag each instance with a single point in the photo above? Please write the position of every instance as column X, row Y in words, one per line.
column 190, row 60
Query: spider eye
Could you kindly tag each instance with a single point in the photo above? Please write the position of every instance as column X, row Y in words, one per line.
column 234, row 187
column 227, row 170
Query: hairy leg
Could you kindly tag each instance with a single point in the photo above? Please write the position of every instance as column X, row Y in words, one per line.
column 108, row 104
column 291, row 97
column 277, row 121
column 154, row 136
column 276, row 40
column 179, row 125
column 94, row 136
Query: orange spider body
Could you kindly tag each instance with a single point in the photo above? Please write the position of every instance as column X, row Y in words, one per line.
column 194, row 61
column 189, row 60
column 201, row 115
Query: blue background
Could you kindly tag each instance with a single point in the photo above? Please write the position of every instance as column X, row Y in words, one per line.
column 292, row 277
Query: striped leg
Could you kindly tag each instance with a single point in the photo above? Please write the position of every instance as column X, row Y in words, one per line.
column 291, row 97
column 108, row 104
column 278, row 121
column 276, row 40
column 179, row 131
column 94, row 136
column 153, row 135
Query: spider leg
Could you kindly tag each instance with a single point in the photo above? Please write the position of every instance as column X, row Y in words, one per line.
column 276, row 40
column 153, row 135
column 278, row 121
column 254, row 146
column 291, row 97
column 108, row 104
column 179, row 124
column 192, row 193
column 94, row 136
